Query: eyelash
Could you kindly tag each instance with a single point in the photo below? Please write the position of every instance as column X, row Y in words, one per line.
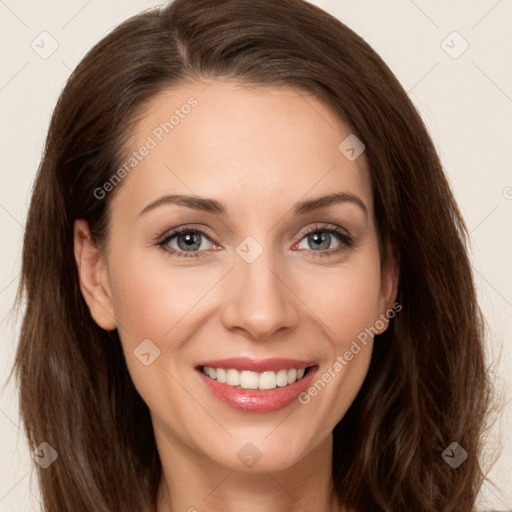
column 346, row 241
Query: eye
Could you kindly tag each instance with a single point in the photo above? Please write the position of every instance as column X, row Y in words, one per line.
column 320, row 239
column 181, row 241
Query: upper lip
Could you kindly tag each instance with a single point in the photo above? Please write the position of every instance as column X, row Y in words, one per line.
column 257, row 365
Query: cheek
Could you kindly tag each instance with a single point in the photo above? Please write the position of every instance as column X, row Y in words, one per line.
column 353, row 307
column 348, row 300
column 151, row 298
column 152, row 303
column 350, row 308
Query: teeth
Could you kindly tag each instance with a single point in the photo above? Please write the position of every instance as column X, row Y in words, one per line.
column 221, row 375
column 267, row 380
column 233, row 378
column 282, row 378
column 292, row 376
column 253, row 380
column 249, row 380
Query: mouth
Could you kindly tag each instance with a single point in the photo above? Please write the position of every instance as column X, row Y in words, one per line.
column 250, row 385
column 246, row 379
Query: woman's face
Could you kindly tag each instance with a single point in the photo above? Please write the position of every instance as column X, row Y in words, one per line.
column 265, row 278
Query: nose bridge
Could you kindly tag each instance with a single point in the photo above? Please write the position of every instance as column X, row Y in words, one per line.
column 259, row 300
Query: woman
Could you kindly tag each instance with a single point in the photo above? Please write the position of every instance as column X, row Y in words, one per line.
column 246, row 278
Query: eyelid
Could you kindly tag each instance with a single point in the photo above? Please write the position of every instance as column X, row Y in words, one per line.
column 323, row 226
column 197, row 228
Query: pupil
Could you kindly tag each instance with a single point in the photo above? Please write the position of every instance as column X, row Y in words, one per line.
column 323, row 240
column 191, row 241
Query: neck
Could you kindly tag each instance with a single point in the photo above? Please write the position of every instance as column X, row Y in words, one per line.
column 192, row 483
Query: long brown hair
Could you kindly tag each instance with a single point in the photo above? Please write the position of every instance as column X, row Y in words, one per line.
column 427, row 384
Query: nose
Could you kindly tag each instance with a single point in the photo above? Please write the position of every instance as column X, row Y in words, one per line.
column 260, row 300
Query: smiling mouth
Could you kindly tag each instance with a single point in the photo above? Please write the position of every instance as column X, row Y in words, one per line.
column 262, row 381
column 251, row 385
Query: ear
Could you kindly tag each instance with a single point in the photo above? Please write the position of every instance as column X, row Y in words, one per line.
column 92, row 272
column 390, row 275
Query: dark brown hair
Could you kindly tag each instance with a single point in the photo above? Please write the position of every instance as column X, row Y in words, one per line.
column 427, row 384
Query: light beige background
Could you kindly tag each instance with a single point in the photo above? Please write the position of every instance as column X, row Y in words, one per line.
column 465, row 101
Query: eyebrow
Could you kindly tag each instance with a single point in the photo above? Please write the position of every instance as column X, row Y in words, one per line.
column 216, row 207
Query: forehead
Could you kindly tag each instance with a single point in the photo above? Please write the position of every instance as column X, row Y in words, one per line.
column 248, row 146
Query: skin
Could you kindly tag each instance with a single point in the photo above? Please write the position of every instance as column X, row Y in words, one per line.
column 259, row 150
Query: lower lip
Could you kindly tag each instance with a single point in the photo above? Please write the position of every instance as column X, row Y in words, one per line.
column 250, row 400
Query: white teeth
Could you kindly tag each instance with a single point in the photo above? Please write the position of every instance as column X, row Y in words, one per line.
column 253, row 380
column 267, row 380
column 282, row 378
column 221, row 375
column 233, row 378
column 249, row 380
column 292, row 376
